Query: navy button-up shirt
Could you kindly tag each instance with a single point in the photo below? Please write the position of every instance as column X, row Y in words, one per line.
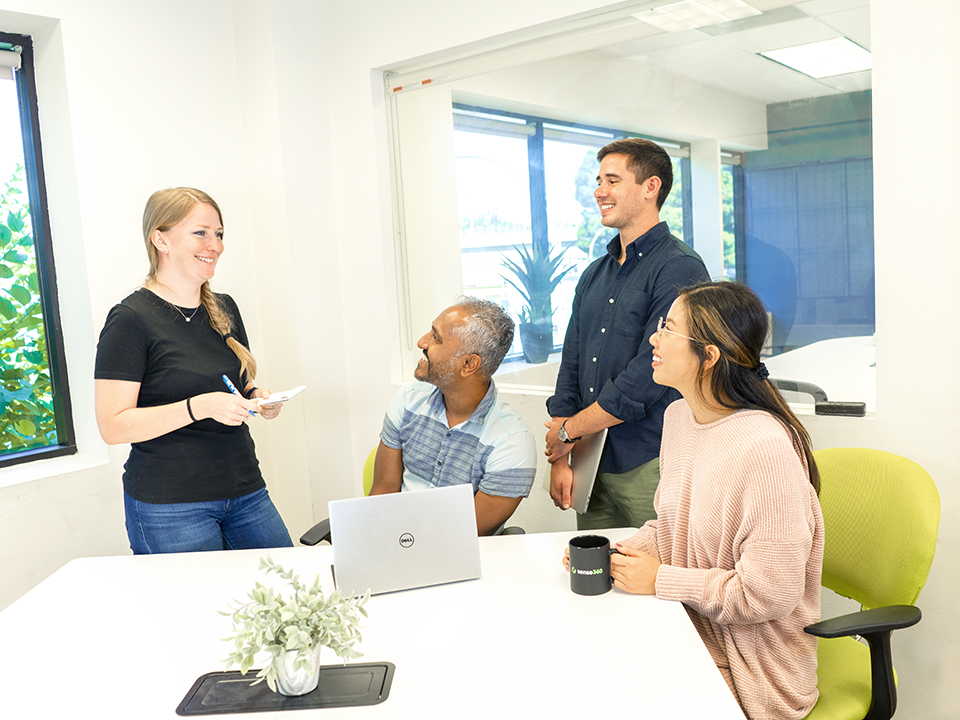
column 606, row 356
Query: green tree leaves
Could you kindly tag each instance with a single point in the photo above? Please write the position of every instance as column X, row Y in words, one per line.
column 26, row 393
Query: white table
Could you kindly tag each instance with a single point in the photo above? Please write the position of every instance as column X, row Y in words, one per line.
column 126, row 637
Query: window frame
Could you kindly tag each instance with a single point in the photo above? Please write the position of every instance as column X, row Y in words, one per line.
column 539, row 226
column 25, row 79
column 731, row 159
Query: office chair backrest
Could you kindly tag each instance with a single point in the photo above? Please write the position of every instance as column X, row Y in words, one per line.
column 368, row 470
column 881, row 513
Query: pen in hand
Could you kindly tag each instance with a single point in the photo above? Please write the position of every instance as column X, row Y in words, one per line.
column 233, row 389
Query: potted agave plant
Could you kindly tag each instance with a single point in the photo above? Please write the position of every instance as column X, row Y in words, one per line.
column 292, row 630
column 536, row 279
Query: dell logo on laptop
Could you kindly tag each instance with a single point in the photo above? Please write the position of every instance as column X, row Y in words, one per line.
column 406, row 540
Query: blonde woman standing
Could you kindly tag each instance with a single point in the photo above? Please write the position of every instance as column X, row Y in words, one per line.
column 192, row 481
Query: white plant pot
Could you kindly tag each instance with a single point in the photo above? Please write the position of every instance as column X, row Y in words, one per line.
column 299, row 682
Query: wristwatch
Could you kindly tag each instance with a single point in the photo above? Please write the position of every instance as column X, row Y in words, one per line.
column 562, row 434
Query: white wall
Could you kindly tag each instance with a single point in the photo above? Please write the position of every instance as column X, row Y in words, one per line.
column 274, row 107
column 132, row 99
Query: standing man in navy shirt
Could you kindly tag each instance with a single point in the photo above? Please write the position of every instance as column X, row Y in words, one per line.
column 605, row 378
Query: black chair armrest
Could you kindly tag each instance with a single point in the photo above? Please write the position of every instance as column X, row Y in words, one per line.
column 875, row 627
column 867, row 622
column 800, row 387
column 318, row 533
column 513, row 530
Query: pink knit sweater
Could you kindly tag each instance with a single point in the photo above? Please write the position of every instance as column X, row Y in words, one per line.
column 740, row 536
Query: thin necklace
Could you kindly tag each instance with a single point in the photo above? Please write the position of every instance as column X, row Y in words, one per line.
column 188, row 319
column 177, row 308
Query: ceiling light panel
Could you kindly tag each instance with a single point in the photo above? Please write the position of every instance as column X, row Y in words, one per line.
column 823, row 59
column 692, row 14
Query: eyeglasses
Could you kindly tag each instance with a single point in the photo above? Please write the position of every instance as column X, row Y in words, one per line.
column 662, row 328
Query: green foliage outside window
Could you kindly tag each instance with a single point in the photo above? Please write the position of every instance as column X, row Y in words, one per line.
column 729, row 238
column 586, row 182
column 672, row 210
column 27, row 417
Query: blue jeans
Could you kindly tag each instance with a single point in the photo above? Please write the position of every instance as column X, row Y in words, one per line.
column 245, row 522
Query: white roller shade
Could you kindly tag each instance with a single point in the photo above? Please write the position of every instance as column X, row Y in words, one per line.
column 9, row 61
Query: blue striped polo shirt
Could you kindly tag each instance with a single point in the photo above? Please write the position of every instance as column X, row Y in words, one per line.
column 494, row 449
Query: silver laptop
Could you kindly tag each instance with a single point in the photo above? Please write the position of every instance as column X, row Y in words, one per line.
column 405, row 540
column 585, row 461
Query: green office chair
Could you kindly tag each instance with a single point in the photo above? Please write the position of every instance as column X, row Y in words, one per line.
column 368, row 470
column 321, row 531
column 881, row 513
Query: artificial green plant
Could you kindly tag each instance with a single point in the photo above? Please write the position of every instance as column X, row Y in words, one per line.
column 272, row 622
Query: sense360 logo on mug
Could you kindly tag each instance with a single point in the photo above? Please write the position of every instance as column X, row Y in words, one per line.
column 590, row 565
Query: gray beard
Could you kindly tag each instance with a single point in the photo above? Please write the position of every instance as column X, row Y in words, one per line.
column 436, row 376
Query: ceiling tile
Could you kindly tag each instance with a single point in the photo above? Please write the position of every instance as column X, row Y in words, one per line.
column 774, row 37
column 824, row 7
column 764, row 5
column 653, row 42
column 724, row 55
column 705, row 52
column 853, row 24
column 851, row 82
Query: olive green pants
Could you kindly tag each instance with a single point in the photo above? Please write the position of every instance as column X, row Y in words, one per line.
column 622, row 500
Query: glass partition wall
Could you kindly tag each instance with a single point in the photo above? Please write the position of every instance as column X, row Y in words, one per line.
column 495, row 166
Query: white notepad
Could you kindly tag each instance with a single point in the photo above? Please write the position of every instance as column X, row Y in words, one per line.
column 281, row 397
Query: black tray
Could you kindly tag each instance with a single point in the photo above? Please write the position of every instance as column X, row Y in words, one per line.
column 351, row 685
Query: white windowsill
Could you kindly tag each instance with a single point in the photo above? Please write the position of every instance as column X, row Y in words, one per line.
column 53, row 467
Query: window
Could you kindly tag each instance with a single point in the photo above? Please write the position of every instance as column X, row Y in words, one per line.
column 808, row 209
column 773, row 173
column 529, row 223
column 34, row 402
column 731, row 198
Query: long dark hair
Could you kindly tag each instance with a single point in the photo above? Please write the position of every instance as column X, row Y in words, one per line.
column 730, row 316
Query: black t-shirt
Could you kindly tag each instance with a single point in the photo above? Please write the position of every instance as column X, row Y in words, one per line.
column 146, row 340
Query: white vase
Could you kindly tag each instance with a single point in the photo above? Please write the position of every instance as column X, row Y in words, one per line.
column 299, row 682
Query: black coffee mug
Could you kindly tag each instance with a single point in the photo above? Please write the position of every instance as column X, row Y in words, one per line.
column 590, row 565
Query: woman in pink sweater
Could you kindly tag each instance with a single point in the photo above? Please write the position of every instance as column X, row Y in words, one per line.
column 739, row 534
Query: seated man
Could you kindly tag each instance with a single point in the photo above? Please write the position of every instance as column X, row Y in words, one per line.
column 452, row 428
